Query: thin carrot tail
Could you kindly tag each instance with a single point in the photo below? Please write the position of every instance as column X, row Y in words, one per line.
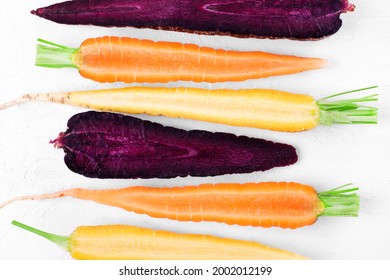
column 340, row 201
column 14, row 102
column 53, row 55
column 348, row 111
column 62, row 98
column 38, row 197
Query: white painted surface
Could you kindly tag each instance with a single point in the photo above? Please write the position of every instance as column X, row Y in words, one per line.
column 328, row 156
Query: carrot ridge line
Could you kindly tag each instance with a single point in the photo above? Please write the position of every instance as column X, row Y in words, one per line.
column 53, row 55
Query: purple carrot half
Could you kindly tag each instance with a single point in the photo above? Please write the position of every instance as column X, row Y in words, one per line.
column 293, row 19
column 107, row 145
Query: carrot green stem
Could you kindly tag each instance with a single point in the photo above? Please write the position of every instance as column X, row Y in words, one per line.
column 340, row 201
column 52, row 55
column 61, row 241
column 348, row 111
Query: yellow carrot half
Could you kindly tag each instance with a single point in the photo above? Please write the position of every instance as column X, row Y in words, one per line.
column 259, row 108
column 267, row 204
column 115, row 59
column 123, row 242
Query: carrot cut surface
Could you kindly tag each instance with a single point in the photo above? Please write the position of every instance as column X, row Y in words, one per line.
column 280, row 204
column 260, row 108
column 123, row 242
column 107, row 145
column 122, row 59
column 292, row 19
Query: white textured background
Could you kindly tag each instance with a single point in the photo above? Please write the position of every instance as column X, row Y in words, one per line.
column 328, row 156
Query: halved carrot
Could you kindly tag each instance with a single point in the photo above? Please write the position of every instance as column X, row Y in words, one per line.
column 115, row 59
column 281, row 204
column 123, row 242
column 108, row 145
column 293, row 19
column 259, row 108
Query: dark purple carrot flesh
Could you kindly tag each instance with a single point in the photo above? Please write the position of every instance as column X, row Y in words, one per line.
column 107, row 145
column 293, row 19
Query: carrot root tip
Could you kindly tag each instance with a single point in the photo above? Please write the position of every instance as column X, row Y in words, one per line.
column 348, row 7
column 57, row 142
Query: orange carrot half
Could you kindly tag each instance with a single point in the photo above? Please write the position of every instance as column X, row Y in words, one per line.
column 115, row 59
column 123, row 242
column 282, row 204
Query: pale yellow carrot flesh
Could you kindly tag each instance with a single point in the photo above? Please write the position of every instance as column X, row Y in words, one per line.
column 129, row 242
column 123, row 242
column 258, row 108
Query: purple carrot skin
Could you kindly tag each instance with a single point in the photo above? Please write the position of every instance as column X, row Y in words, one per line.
column 107, row 145
column 293, row 19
